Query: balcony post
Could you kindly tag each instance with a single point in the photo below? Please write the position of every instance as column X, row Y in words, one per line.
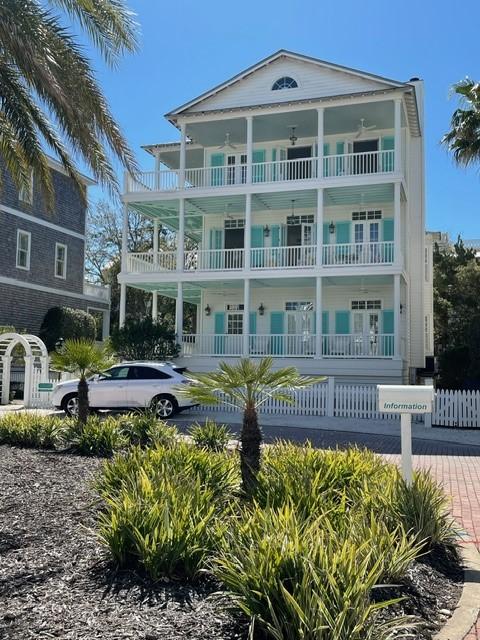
column 181, row 235
column 397, row 224
column 247, row 240
column 123, row 304
column 125, row 238
column 396, row 316
column 179, row 313
column 249, row 120
column 154, row 306
column 246, row 317
column 398, row 134
column 319, row 238
column 318, row 318
column 320, row 138
column 183, row 150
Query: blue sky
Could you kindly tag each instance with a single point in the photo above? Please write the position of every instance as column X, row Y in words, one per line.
column 189, row 46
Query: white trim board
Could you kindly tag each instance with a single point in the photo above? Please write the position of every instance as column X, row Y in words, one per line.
column 39, row 287
column 43, row 223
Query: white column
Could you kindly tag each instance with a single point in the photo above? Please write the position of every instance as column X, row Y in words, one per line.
column 397, row 224
column 319, row 238
column 123, row 304
column 124, row 238
column 249, row 120
column 179, row 313
column 247, row 240
column 154, row 306
column 396, row 316
column 318, row 317
column 183, row 151
column 246, row 317
column 106, row 324
column 155, row 242
column 398, row 134
column 320, row 139
column 181, row 235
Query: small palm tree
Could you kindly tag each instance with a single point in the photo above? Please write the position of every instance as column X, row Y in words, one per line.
column 463, row 139
column 247, row 386
column 85, row 358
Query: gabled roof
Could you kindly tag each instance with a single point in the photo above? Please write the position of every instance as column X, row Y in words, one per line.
column 283, row 53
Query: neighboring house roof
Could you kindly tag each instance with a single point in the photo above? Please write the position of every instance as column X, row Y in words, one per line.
column 58, row 166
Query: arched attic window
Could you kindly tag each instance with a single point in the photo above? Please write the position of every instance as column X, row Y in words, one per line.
column 284, row 83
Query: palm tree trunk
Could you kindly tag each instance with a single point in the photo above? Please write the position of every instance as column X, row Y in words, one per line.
column 250, row 438
column 82, row 401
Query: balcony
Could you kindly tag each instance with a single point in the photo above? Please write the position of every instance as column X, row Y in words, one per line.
column 97, row 291
column 290, row 346
column 297, row 170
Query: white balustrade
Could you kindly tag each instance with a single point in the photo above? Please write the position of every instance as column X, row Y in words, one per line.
column 213, row 259
column 212, row 345
column 285, row 345
column 358, row 346
column 363, row 253
column 99, row 291
column 284, row 257
column 150, row 262
column 354, row 164
column 165, row 180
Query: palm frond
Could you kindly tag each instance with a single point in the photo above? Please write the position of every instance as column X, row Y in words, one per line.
column 82, row 356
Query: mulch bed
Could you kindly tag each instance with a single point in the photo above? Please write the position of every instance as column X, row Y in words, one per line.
column 55, row 581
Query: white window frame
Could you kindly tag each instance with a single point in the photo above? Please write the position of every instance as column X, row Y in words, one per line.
column 63, row 276
column 26, row 195
column 21, row 232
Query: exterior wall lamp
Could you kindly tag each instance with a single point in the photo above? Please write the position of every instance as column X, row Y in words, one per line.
column 261, row 309
column 331, row 227
column 266, row 231
column 401, row 308
column 208, row 310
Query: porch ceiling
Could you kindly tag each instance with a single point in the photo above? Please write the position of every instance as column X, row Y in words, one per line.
column 191, row 293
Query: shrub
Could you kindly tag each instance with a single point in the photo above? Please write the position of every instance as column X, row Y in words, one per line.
column 144, row 340
column 145, row 429
column 66, row 323
column 32, row 430
column 210, row 435
column 97, row 437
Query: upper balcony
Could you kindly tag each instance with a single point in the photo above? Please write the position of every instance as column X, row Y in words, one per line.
column 336, row 145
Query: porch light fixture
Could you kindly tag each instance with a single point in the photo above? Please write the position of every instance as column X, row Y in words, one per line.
column 266, row 231
column 208, row 310
column 331, row 227
column 293, row 138
column 261, row 309
column 401, row 307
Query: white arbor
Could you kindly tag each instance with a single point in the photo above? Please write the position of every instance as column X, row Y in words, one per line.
column 36, row 364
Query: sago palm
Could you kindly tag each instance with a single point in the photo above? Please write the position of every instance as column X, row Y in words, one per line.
column 49, row 97
column 85, row 358
column 247, row 386
column 463, row 139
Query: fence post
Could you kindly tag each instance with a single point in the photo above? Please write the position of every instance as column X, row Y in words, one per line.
column 428, row 419
column 330, row 396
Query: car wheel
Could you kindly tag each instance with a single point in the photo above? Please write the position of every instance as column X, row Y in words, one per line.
column 70, row 405
column 164, row 406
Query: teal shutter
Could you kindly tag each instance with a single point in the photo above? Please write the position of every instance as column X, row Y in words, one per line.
column 326, row 152
column 388, row 237
column 343, row 232
column 275, row 235
column 258, row 173
column 257, row 242
column 340, row 162
column 276, row 330
column 388, row 144
column 326, row 233
column 252, row 325
column 342, row 322
column 325, row 322
column 216, row 242
column 388, row 329
column 219, row 341
column 217, row 174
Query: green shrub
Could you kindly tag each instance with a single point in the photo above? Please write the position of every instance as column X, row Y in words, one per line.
column 210, row 435
column 145, row 429
column 32, row 430
column 98, row 437
column 66, row 323
column 144, row 340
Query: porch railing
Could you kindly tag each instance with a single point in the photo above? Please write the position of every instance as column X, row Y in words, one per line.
column 211, row 345
column 358, row 253
column 283, row 257
column 357, row 164
column 150, row 262
column 357, row 346
column 165, row 180
column 212, row 259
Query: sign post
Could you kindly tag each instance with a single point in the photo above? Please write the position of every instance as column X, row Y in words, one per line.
column 405, row 400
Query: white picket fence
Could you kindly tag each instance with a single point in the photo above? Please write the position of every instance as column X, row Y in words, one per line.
column 456, row 408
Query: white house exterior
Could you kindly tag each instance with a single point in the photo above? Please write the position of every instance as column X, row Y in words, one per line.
column 301, row 184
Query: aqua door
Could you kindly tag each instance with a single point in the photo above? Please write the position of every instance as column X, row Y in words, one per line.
column 276, row 332
column 388, row 331
column 219, row 340
column 258, row 171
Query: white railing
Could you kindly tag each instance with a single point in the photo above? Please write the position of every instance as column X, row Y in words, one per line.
column 99, row 291
column 284, row 257
column 213, row 259
column 286, row 345
column 284, row 170
column 358, row 346
column 358, row 253
column 212, row 345
column 456, row 408
column 150, row 262
column 165, row 180
column 355, row 164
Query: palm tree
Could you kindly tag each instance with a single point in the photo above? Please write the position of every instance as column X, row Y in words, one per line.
column 85, row 358
column 247, row 386
column 49, row 97
column 463, row 139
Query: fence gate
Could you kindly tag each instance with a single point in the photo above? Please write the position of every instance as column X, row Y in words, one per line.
column 36, row 364
column 456, row 408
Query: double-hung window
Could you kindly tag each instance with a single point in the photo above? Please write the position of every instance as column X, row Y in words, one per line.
column 60, row 260
column 25, row 194
column 24, row 239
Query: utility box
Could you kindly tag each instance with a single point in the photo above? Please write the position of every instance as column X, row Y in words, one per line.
column 404, row 398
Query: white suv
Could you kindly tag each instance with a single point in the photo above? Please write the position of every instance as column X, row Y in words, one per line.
column 130, row 385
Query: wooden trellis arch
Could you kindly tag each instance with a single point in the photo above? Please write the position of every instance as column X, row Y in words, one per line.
column 36, row 357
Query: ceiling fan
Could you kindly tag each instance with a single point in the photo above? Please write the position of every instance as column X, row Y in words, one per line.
column 363, row 129
column 227, row 143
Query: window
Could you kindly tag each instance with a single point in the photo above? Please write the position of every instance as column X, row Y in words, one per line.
column 23, row 249
column 147, row 373
column 235, row 324
column 25, row 194
column 238, row 223
column 284, row 83
column 298, row 306
column 367, row 215
column 370, row 305
column 234, row 307
column 117, row 373
column 306, row 219
column 60, row 260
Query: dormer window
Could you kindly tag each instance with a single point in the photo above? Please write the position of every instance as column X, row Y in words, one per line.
column 284, row 83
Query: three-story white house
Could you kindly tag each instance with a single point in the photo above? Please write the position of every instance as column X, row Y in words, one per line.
column 300, row 185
